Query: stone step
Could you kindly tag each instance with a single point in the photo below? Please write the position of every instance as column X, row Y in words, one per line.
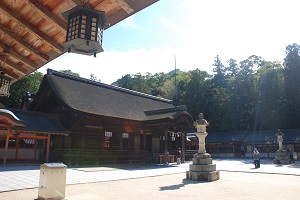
column 203, row 176
column 202, row 161
column 202, row 168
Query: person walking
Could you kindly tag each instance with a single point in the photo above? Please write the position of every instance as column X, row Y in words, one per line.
column 166, row 158
column 178, row 156
column 256, row 158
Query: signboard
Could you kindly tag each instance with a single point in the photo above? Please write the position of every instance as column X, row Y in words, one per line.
column 108, row 134
column 125, row 135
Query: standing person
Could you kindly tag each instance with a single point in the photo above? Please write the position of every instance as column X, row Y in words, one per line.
column 166, row 158
column 178, row 156
column 256, row 158
column 291, row 155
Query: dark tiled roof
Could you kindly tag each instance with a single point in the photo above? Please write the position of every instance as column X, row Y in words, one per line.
column 252, row 138
column 218, row 137
column 222, row 137
column 97, row 98
column 269, row 137
column 170, row 113
column 39, row 122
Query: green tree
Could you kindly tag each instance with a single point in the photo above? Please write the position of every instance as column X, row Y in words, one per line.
column 156, row 82
column 69, row 72
column 219, row 110
column 219, row 69
column 242, row 92
column 250, row 65
column 197, row 97
column 29, row 83
column 232, row 70
column 95, row 78
column 126, row 82
column 292, row 85
column 270, row 87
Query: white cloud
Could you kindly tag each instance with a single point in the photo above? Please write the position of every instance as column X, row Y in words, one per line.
column 169, row 24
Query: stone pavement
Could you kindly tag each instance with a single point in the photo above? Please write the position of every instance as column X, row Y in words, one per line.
column 18, row 177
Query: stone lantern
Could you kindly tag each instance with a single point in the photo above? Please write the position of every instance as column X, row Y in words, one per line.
column 279, row 136
column 85, row 30
column 202, row 168
column 281, row 156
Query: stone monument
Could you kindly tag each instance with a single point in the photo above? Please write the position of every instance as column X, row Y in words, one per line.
column 281, row 156
column 202, row 168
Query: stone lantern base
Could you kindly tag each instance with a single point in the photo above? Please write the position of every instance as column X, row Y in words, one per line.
column 202, row 169
column 281, row 157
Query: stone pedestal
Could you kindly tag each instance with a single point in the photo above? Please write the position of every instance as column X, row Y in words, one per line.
column 281, row 157
column 202, row 169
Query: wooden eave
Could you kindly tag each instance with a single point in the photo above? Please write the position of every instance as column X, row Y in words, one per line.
column 23, row 131
column 32, row 32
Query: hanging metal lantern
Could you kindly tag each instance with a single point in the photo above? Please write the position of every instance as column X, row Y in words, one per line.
column 85, row 30
column 4, row 85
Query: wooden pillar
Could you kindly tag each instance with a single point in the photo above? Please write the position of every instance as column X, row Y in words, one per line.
column 166, row 146
column 144, row 141
column 183, row 139
column 121, row 143
column 6, row 146
column 17, row 147
column 48, row 148
column 35, row 147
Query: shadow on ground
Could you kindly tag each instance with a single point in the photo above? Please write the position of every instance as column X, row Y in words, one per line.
column 178, row 186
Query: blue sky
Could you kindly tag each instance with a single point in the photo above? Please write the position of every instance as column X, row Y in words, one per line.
column 195, row 31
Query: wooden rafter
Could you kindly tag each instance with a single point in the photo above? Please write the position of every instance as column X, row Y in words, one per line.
column 14, row 66
column 32, row 29
column 11, row 74
column 29, row 48
column 23, row 59
column 43, row 11
column 126, row 5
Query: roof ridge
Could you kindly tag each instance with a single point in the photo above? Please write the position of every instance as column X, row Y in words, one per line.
column 125, row 90
column 166, row 110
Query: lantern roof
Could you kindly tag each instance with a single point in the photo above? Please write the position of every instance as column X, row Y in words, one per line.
column 101, row 14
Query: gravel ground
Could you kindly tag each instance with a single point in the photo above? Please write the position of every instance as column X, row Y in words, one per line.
column 232, row 185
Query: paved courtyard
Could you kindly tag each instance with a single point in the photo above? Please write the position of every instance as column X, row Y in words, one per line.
column 238, row 180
